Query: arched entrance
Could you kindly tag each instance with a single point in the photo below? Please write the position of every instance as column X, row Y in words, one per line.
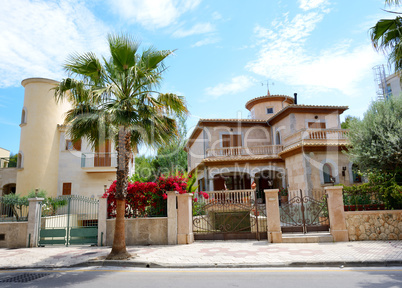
column 9, row 188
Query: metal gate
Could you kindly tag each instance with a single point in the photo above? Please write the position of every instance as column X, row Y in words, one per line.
column 227, row 215
column 305, row 213
column 69, row 220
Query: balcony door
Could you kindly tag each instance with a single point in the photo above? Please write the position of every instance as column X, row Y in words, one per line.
column 103, row 155
column 231, row 140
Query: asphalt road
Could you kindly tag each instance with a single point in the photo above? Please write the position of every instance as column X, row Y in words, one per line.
column 205, row 278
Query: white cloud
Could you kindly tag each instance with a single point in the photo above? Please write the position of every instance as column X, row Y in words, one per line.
column 206, row 41
column 152, row 14
column 312, row 4
column 37, row 37
column 236, row 85
column 200, row 28
column 284, row 56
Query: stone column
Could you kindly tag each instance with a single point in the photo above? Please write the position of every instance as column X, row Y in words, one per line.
column 172, row 217
column 337, row 222
column 34, row 221
column 185, row 219
column 273, row 219
column 211, row 185
column 102, row 217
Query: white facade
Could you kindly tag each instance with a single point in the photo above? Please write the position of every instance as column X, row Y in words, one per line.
column 393, row 85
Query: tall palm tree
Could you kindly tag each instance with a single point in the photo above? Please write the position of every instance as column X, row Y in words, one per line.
column 116, row 98
column 386, row 36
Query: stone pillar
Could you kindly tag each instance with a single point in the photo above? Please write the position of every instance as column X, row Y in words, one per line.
column 273, row 219
column 172, row 217
column 211, row 185
column 34, row 221
column 336, row 213
column 102, row 216
column 185, row 219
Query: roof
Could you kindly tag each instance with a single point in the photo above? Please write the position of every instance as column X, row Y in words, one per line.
column 306, row 107
column 260, row 99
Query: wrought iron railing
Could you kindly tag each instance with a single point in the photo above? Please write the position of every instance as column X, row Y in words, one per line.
column 368, row 200
column 101, row 159
column 13, row 209
column 273, row 150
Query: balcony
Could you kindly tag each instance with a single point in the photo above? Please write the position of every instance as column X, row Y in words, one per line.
column 268, row 150
column 326, row 136
column 99, row 162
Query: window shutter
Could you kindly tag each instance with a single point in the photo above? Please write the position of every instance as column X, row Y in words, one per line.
column 66, row 188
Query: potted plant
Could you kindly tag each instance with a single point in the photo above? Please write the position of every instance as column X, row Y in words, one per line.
column 283, row 193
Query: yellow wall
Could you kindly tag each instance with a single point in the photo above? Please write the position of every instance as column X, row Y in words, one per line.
column 39, row 141
column 260, row 109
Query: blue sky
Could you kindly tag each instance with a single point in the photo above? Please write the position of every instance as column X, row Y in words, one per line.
column 225, row 49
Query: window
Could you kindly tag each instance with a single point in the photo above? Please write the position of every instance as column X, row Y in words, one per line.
column 230, row 140
column 270, row 110
column 319, row 125
column 389, row 91
column 66, row 188
column 327, row 171
column 20, row 160
column 70, row 145
column 24, row 116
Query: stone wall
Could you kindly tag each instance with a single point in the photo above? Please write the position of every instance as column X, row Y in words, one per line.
column 374, row 225
column 14, row 234
column 141, row 231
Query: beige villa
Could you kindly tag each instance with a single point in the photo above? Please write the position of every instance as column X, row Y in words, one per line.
column 282, row 145
column 47, row 158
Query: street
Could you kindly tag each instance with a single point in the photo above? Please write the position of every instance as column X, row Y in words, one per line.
column 258, row 277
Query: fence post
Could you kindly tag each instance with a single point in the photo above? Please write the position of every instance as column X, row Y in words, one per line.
column 172, row 217
column 274, row 231
column 185, row 219
column 337, row 222
column 34, row 214
column 102, row 217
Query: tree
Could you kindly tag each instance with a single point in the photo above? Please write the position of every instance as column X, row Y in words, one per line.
column 386, row 36
column 376, row 140
column 346, row 124
column 116, row 98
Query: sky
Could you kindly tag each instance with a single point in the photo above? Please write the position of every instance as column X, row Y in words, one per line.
column 226, row 51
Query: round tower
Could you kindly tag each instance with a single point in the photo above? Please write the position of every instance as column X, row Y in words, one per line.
column 265, row 107
column 38, row 157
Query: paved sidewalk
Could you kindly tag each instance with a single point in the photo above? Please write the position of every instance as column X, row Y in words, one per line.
column 213, row 254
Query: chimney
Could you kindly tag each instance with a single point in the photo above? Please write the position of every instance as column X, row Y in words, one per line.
column 295, row 94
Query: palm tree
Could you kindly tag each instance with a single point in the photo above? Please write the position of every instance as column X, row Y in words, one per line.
column 386, row 36
column 116, row 98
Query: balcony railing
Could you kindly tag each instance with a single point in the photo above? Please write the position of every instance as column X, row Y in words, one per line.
column 228, row 196
column 101, row 159
column 317, row 134
column 245, row 151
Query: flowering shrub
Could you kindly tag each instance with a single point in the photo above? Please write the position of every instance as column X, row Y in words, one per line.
column 204, row 194
column 146, row 199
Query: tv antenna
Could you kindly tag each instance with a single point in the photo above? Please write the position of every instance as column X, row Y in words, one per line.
column 267, row 84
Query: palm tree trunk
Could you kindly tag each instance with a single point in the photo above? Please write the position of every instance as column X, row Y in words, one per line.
column 119, row 250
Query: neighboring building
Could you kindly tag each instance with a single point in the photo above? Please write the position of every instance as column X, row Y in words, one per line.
column 393, row 85
column 282, row 145
column 47, row 158
column 8, row 174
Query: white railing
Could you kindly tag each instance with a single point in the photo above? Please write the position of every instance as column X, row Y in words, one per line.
column 317, row 134
column 93, row 159
column 228, row 196
column 245, row 151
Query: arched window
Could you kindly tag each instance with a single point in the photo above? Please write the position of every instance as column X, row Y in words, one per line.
column 327, row 171
column 20, row 160
column 278, row 138
column 24, row 116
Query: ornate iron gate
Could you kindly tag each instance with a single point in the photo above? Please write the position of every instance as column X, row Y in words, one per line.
column 227, row 215
column 305, row 213
column 69, row 220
